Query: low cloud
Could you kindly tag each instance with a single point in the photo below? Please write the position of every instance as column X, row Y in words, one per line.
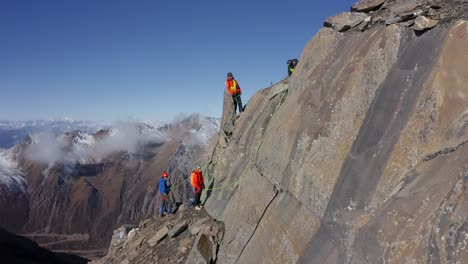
column 48, row 148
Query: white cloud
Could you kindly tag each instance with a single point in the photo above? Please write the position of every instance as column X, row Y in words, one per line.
column 50, row 149
column 47, row 148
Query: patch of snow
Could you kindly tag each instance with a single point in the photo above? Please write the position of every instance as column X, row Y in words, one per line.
column 10, row 176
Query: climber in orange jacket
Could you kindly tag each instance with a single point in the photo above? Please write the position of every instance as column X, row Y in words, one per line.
column 196, row 179
column 233, row 88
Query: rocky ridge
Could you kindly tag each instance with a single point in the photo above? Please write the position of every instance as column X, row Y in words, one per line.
column 421, row 15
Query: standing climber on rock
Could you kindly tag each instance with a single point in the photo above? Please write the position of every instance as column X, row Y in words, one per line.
column 196, row 179
column 164, row 189
column 232, row 86
column 291, row 66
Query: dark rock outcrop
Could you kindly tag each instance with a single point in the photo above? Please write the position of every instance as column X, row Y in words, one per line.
column 16, row 249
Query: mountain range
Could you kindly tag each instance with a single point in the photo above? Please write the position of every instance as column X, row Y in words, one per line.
column 68, row 191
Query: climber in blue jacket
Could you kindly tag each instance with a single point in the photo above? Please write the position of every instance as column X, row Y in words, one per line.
column 164, row 189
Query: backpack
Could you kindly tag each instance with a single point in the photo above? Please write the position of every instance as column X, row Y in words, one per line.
column 162, row 186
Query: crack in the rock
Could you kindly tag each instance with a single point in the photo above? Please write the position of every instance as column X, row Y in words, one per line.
column 258, row 223
column 443, row 151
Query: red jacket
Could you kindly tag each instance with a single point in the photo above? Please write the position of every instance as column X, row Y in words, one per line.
column 196, row 179
column 233, row 87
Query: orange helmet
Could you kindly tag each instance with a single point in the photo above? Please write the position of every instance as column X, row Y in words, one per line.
column 164, row 174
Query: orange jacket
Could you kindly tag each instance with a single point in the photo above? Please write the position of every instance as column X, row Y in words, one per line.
column 232, row 86
column 196, row 179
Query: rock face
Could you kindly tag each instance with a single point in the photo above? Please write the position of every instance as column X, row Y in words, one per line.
column 363, row 160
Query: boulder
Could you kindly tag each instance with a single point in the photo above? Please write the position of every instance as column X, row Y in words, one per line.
column 202, row 250
column 130, row 236
column 197, row 226
column 393, row 20
column 178, row 229
column 367, row 5
column 365, row 24
column 344, row 21
column 160, row 235
column 424, row 23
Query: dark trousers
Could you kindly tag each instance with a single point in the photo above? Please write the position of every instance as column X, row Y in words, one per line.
column 166, row 205
column 237, row 103
column 197, row 198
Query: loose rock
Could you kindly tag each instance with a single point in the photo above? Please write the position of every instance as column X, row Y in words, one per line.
column 195, row 228
column 344, row 21
column 367, row 5
column 424, row 23
column 178, row 229
column 160, row 235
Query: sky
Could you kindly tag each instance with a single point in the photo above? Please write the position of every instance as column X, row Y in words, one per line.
column 148, row 59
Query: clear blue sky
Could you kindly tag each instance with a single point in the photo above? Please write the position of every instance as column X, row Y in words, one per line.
column 145, row 60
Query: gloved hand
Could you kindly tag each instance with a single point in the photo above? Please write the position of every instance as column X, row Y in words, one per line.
column 164, row 197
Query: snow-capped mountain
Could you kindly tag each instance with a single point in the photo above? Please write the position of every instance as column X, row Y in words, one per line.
column 14, row 197
column 11, row 132
column 10, row 175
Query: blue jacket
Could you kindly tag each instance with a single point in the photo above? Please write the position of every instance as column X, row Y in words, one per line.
column 163, row 187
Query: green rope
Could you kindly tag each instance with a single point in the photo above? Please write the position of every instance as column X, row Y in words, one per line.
column 254, row 156
column 257, row 149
